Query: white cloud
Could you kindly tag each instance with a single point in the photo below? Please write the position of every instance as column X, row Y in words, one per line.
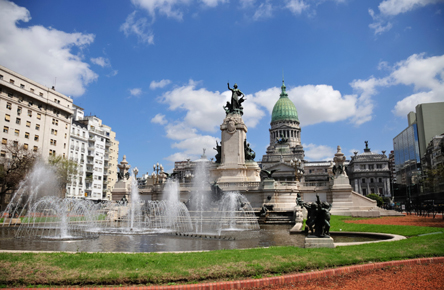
column 136, row 92
column 171, row 8
column 395, row 7
column 315, row 103
column 424, row 74
column 390, row 8
column 43, row 54
column 265, row 10
column 140, row 27
column 160, row 84
column 315, row 152
column 159, row 119
column 189, row 142
column 247, row 3
column 297, row 6
column 379, row 25
column 101, row 61
column 203, row 108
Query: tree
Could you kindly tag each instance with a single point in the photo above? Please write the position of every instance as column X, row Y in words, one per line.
column 434, row 178
column 64, row 169
column 376, row 197
column 14, row 166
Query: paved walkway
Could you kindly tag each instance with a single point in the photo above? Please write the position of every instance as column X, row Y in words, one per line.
column 272, row 281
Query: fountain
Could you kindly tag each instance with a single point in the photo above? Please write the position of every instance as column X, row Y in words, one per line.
column 39, row 182
column 146, row 217
column 235, row 213
column 53, row 218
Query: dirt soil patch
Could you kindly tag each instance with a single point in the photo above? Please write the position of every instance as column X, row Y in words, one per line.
column 406, row 220
column 400, row 277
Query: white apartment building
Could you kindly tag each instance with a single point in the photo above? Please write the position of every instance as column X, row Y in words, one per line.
column 90, row 145
column 32, row 115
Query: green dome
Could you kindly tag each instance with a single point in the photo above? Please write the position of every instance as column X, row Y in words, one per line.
column 284, row 109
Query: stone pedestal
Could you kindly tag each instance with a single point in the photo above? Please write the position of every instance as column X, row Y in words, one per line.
column 233, row 167
column 316, row 242
column 298, row 220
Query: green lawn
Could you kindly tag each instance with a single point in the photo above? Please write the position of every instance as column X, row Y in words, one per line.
column 154, row 268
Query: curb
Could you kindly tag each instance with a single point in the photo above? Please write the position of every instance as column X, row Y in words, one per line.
column 285, row 279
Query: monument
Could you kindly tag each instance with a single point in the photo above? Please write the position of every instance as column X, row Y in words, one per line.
column 122, row 188
column 234, row 154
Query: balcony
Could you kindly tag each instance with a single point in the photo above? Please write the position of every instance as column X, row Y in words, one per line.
column 89, row 169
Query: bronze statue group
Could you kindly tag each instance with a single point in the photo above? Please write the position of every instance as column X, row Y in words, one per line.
column 318, row 216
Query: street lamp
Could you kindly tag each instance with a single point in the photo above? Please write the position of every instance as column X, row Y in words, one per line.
column 158, row 169
column 296, row 163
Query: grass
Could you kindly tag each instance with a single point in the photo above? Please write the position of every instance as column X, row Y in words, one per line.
column 168, row 268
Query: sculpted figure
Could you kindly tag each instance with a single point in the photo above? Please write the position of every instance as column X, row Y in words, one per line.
column 249, row 153
column 219, row 152
column 237, row 98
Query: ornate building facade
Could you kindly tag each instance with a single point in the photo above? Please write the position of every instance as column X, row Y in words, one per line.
column 369, row 172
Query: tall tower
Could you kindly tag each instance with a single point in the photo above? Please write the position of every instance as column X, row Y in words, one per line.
column 285, row 132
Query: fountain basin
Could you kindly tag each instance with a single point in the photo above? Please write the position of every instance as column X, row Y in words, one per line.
column 267, row 236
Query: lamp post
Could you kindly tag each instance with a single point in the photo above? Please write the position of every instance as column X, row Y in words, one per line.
column 296, row 163
column 158, row 169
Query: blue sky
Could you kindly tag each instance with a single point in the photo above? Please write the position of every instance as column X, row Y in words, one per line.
column 156, row 70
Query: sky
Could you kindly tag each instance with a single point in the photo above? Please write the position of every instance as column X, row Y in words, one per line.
column 156, row 71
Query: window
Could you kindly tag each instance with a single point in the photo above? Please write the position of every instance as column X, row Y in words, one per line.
column 32, row 90
column 36, row 137
column 378, row 166
column 16, row 132
column 28, row 124
column 364, row 191
column 18, row 121
column 66, row 135
column 11, row 81
column 35, row 149
column 29, row 104
column 64, row 145
column 371, row 166
column 53, row 142
column 29, row 113
column 27, row 135
column 66, row 126
column 50, row 152
column 4, row 141
column 362, row 166
column 5, row 129
column 7, row 117
column 10, row 95
column 39, row 116
column 8, row 106
column 3, row 153
column 63, row 155
column 380, row 180
column 363, row 180
column 1, row 77
column 37, row 127
column 25, row 146
column 22, row 86
column 15, row 143
column 371, row 180
column 41, row 94
column 19, row 110
column 55, row 122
